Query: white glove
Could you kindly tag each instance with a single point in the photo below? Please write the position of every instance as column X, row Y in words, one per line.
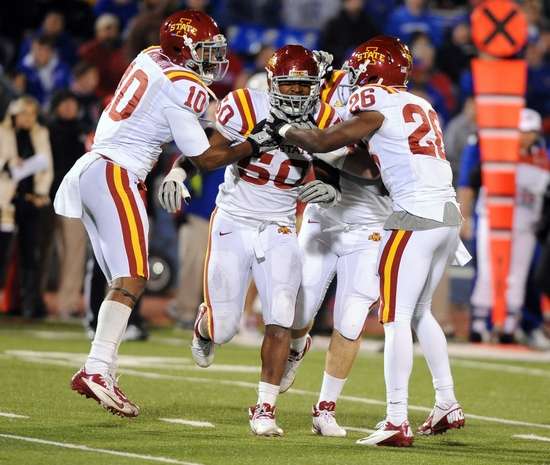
column 319, row 192
column 324, row 60
column 172, row 190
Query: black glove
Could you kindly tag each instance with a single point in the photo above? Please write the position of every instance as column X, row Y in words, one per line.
column 261, row 139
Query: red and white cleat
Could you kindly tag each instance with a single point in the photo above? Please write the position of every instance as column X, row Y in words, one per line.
column 262, row 420
column 104, row 390
column 292, row 364
column 387, row 434
column 441, row 420
column 324, row 421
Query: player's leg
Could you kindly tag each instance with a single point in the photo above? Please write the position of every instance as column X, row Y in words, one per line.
column 481, row 299
column 356, row 292
column 404, row 266
column 226, row 279
column 116, row 221
column 317, row 269
column 447, row 413
column 277, row 280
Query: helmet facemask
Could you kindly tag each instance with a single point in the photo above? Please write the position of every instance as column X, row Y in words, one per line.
column 293, row 105
column 208, row 58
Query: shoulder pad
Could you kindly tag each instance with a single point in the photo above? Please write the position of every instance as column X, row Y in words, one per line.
column 187, row 90
column 236, row 113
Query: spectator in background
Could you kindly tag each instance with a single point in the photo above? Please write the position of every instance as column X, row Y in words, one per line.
column 537, row 22
column 124, row 10
column 44, row 72
column 67, row 141
column 414, row 16
column 7, row 94
column 456, row 135
column 143, row 30
column 454, row 55
column 256, row 74
column 352, row 26
column 106, row 53
column 53, row 28
column 425, row 74
column 22, row 137
column 264, row 12
column 538, row 77
column 309, row 14
column 84, row 87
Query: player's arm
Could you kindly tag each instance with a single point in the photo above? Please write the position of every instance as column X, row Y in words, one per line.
column 360, row 126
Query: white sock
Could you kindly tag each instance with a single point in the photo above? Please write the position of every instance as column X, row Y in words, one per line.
column 111, row 324
column 398, row 361
column 267, row 393
column 434, row 346
column 298, row 345
column 331, row 388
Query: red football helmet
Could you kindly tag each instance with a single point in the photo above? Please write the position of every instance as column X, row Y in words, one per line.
column 380, row 60
column 293, row 63
column 192, row 39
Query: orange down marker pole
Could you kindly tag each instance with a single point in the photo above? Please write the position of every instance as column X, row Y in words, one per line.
column 499, row 30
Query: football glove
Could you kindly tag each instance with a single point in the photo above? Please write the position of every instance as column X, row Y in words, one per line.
column 324, row 60
column 319, row 192
column 261, row 139
column 172, row 190
column 278, row 123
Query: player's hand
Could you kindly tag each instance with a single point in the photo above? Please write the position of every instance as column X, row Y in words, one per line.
column 261, row 140
column 278, row 122
column 467, row 229
column 324, row 60
column 172, row 190
column 319, row 192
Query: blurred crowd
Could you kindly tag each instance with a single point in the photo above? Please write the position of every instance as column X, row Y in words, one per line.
column 60, row 62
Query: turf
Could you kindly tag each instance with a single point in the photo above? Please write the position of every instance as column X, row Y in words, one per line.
column 39, row 389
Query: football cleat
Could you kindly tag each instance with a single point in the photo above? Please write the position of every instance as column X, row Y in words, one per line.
column 262, row 420
column 387, row 434
column 104, row 390
column 441, row 420
column 324, row 421
column 292, row 364
column 202, row 349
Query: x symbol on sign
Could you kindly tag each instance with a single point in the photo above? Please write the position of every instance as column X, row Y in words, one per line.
column 499, row 26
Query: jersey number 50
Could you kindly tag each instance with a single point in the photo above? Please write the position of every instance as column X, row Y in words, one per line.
column 245, row 167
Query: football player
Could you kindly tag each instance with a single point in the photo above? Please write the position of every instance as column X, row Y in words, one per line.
column 160, row 98
column 253, row 230
column 421, row 234
column 340, row 239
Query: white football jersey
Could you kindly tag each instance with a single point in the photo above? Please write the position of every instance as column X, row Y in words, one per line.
column 154, row 103
column 408, row 149
column 264, row 188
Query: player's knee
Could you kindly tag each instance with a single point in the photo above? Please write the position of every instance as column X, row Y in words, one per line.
column 277, row 334
column 349, row 331
column 421, row 310
column 225, row 330
column 126, row 290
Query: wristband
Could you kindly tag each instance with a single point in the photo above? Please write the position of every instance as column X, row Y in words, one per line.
column 284, row 129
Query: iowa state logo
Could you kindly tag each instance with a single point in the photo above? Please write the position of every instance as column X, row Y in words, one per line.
column 372, row 54
column 183, row 27
column 284, row 230
column 376, row 237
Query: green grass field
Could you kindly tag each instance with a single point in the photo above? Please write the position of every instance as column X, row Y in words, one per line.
column 37, row 362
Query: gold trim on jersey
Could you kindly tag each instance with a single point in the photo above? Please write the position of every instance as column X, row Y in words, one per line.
column 178, row 75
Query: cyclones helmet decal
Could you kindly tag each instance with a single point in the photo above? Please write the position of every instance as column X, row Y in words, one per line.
column 381, row 60
column 293, row 63
column 192, row 39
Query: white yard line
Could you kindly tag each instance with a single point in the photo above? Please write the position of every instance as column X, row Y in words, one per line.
column 181, row 421
column 67, row 445
column 531, row 437
column 501, row 367
column 245, row 384
column 12, row 415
